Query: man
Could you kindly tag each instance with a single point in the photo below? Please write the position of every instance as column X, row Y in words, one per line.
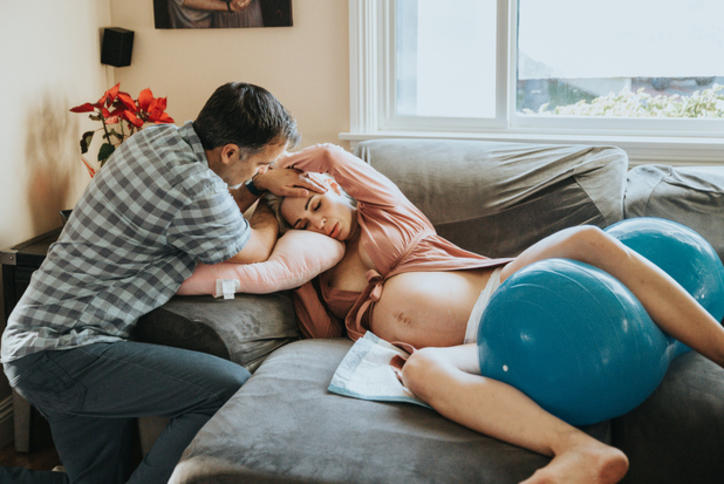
column 161, row 204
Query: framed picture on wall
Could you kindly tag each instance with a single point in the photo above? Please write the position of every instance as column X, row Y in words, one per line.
column 221, row 14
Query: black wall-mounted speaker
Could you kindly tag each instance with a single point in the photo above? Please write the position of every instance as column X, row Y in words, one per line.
column 117, row 47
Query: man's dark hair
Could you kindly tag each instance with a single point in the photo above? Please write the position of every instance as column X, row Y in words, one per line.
column 246, row 115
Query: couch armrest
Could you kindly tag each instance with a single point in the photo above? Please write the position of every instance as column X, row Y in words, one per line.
column 692, row 196
column 244, row 329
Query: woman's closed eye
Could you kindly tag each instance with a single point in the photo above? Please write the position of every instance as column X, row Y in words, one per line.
column 311, row 205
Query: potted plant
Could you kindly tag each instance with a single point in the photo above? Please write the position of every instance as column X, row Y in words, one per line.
column 120, row 116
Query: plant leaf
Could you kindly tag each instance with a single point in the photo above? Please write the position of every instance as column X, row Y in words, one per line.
column 109, row 96
column 85, row 141
column 132, row 118
column 84, row 108
column 105, row 151
column 91, row 170
column 145, row 98
column 127, row 101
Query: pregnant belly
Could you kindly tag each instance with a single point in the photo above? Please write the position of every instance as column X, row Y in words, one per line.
column 428, row 308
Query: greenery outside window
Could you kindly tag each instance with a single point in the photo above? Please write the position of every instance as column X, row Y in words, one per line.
column 642, row 74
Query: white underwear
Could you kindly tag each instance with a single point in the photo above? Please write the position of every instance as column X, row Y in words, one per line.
column 471, row 331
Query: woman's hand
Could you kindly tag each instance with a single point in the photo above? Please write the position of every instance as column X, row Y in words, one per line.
column 289, row 182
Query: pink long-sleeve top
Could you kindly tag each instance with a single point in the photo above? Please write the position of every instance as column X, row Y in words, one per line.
column 397, row 236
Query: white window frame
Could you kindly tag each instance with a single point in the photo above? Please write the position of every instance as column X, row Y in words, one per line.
column 372, row 81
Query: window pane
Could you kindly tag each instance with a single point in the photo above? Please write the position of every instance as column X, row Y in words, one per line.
column 445, row 58
column 633, row 58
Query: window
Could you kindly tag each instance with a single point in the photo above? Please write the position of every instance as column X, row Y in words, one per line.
column 644, row 58
column 434, row 45
column 641, row 74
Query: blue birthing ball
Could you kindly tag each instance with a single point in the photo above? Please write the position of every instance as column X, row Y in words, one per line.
column 573, row 339
column 680, row 252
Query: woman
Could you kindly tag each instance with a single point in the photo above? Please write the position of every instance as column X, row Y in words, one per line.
column 406, row 284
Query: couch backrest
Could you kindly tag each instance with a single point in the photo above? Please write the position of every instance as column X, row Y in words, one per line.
column 692, row 196
column 496, row 199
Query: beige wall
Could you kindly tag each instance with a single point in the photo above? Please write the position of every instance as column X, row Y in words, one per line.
column 306, row 66
column 50, row 62
column 49, row 53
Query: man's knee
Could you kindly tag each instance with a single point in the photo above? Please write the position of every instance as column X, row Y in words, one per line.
column 232, row 379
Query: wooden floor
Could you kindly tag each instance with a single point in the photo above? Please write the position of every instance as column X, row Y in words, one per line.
column 43, row 456
column 43, row 459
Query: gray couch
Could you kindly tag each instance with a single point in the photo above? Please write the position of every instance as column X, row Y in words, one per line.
column 492, row 198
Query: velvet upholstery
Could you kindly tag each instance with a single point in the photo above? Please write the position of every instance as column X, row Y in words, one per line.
column 285, row 425
column 677, row 435
column 498, row 199
column 244, row 329
column 693, row 196
column 494, row 198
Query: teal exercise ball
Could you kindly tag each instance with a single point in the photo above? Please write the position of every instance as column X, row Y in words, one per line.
column 574, row 339
column 680, row 252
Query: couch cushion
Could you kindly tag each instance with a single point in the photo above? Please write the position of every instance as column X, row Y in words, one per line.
column 497, row 199
column 677, row 435
column 692, row 196
column 284, row 426
column 244, row 329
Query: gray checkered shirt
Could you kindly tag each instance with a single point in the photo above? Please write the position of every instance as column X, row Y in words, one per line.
column 144, row 221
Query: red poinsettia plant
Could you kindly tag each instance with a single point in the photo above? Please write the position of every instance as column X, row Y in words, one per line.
column 120, row 116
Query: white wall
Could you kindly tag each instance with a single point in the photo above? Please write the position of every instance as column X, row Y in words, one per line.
column 305, row 66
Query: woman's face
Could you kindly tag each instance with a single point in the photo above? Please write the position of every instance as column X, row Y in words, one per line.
column 328, row 213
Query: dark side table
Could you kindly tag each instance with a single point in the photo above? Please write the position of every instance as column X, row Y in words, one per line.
column 19, row 262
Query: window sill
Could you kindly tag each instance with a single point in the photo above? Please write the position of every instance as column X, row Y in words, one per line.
column 669, row 150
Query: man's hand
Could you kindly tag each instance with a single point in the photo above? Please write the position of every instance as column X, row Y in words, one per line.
column 288, row 182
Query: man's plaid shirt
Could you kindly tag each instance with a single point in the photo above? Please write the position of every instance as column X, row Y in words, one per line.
column 145, row 220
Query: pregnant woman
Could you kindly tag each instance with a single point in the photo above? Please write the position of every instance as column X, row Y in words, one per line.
column 406, row 284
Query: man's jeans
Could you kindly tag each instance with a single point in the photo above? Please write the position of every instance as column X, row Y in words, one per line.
column 91, row 396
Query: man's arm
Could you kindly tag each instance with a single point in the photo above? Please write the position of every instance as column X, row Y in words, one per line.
column 264, row 231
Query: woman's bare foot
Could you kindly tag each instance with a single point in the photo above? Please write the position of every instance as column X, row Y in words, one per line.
column 589, row 464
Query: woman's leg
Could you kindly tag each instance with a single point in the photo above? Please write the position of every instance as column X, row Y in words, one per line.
column 449, row 380
column 669, row 305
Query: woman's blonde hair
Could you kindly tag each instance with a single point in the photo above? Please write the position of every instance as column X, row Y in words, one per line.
column 275, row 201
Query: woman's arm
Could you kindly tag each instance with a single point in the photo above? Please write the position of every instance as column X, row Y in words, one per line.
column 359, row 179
